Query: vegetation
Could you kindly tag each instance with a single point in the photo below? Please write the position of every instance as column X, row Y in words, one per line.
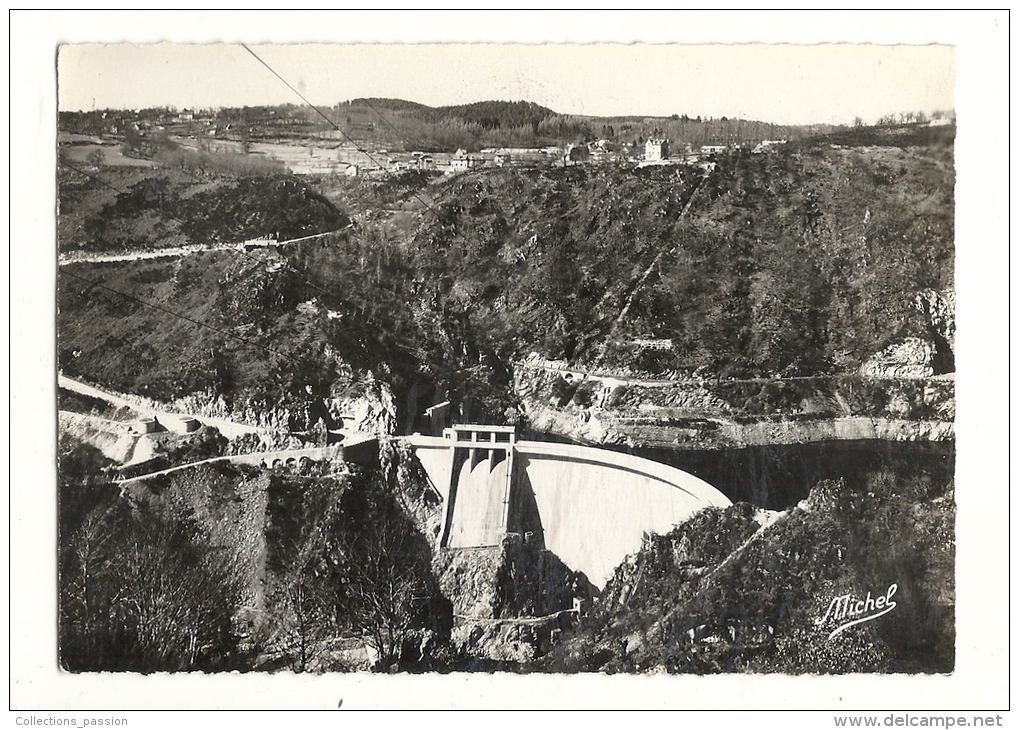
column 802, row 261
column 397, row 124
column 721, row 594
column 174, row 209
column 220, row 569
column 141, row 589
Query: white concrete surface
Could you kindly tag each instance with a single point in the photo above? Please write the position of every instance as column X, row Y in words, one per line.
column 594, row 505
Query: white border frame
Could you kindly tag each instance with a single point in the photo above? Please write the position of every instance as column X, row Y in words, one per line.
column 981, row 678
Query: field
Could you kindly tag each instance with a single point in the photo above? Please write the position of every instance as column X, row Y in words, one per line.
column 78, row 152
column 306, row 159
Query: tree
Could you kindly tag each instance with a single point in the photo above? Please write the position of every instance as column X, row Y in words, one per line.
column 96, row 158
column 383, row 589
column 146, row 593
column 132, row 139
column 302, row 618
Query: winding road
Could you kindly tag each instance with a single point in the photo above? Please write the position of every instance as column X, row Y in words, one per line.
column 177, row 251
column 230, row 429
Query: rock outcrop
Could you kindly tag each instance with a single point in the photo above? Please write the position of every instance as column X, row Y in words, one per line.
column 510, row 602
column 911, row 358
column 372, row 410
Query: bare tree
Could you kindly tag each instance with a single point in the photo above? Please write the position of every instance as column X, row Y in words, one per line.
column 303, row 614
column 384, row 592
column 82, row 600
column 141, row 593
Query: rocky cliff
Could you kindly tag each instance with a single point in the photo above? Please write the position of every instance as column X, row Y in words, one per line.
column 633, row 410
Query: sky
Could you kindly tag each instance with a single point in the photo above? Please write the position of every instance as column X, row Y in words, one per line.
column 780, row 83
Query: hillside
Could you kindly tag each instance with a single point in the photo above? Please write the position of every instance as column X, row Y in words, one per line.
column 327, row 566
column 118, row 210
column 749, row 591
column 797, row 262
column 405, row 125
column 803, row 261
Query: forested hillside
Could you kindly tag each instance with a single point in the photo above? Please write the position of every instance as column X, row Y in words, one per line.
column 407, row 125
column 172, row 208
column 805, row 260
column 801, row 261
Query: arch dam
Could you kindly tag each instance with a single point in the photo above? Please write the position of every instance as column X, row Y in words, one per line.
column 589, row 506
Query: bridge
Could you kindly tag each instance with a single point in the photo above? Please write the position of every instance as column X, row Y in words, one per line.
column 355, row 448
column 589, row 506
column 264, row 459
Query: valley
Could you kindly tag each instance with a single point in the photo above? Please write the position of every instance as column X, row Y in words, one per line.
column 778, row 325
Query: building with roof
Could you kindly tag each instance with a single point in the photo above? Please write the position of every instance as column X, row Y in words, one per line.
column 656, row 149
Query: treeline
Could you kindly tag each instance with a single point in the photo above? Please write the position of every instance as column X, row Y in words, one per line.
column 410, row 126
column 487, row 114
column 681, row 130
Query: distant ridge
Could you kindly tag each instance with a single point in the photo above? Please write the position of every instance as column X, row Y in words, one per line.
column 489, row 114
column 388, row 103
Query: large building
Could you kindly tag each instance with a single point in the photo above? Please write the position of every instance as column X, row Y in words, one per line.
column 656, row 149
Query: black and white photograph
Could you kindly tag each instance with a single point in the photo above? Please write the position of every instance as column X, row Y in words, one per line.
column 420, row 360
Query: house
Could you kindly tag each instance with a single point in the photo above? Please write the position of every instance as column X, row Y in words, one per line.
column 502, row 159
column 461, row 161
column 713, row 149
column 351, row 171
column 577, row 153
column 656, row 149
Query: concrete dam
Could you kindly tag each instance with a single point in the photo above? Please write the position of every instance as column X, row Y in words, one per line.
column 589, row 506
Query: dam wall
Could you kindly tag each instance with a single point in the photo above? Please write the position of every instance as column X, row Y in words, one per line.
column 589, row 506
column 595, row 505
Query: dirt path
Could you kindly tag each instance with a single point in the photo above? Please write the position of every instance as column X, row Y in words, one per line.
column 636, row 380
